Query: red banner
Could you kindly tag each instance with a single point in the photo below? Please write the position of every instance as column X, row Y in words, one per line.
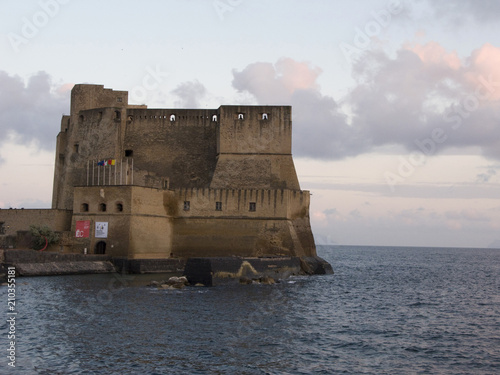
column 83, row 229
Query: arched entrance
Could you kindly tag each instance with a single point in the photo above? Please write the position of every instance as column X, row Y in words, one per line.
column 100, row 248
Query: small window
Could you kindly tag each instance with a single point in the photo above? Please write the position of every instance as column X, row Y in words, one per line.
column 172, row 118
column 119, row 207
column 2, row 227
column 118, row 115
column 84, row 207
column 264, row 116
column 76, row 148
column 102, row 207
column 119, row 100
column 253, row 206
column 129, row 153
column 240, row 116
column 187, row 205
column 81, row 118
column 214, row 118
column 218, row 206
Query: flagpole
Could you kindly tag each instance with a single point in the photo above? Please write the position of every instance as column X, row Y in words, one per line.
column 115, row 172
column 88, row 162
column 126, row 175
column 121, row 171
column 93, row 172
column 132, row 171
column 98, row 175
column 109, row 179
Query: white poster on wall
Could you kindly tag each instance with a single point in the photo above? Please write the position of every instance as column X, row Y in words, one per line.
column 101, row 229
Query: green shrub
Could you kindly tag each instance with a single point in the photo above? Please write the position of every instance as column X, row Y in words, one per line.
column 40, row 233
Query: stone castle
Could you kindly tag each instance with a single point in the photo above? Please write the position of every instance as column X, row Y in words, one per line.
column 139, row 183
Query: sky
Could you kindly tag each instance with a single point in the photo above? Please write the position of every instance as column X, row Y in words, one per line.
column 396, row 116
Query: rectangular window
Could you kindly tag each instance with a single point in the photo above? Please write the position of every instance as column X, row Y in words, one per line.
column 253, row 206
column 218, row 206
column 187, row 205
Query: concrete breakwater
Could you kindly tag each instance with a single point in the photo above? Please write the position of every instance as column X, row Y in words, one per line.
column 208, row 271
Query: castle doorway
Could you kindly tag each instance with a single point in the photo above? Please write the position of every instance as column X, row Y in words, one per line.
column 100, row 248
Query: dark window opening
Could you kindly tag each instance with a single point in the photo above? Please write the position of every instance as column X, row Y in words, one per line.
column 253, row 206
column 102, row 207
column 119, row 207
column 118, row 115
column 187, row 205
column 81, row 118
column 218, row 206
column 76, row 148
column 2, row 227
column 129, row 153
column 119, row 100
column 84, row 207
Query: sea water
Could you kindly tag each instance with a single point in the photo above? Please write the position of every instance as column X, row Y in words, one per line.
column 386, row 310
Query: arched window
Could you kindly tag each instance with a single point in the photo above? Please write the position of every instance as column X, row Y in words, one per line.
column 264, row 116
column 102, row 207
column 84, row 207
column 119, row 207
column 172, row 118
column 214, row 118
column 240, row 116
column 118, row 115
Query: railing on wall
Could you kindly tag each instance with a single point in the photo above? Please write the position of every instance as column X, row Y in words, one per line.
column 110, row 172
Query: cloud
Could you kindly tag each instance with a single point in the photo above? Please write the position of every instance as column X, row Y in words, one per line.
column 190, row 94
column 31, row 110
column 320, row 128
column 399, row 100
column 463, row 11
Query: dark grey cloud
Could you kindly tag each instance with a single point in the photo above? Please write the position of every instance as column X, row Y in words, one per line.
column 31, row 111
column 190, row 94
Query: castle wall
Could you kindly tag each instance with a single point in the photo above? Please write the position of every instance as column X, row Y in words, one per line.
column 14, row 221
column 254, row 145
column 137, row 219
column 181, row 152
column 230, row 222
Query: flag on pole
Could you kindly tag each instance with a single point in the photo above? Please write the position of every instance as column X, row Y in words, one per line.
column 104, row 163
